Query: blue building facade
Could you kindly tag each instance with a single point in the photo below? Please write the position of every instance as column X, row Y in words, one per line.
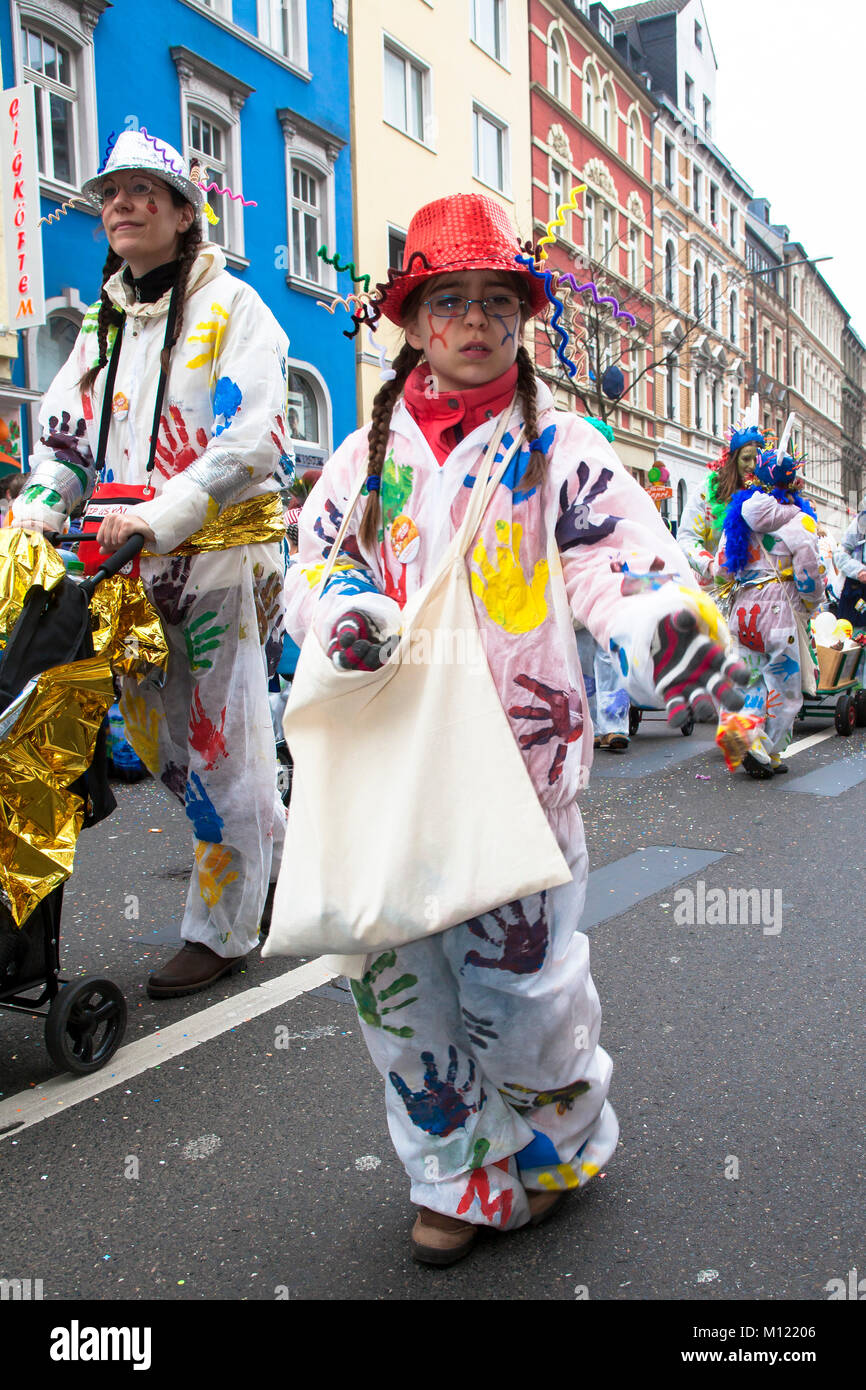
column 258, row 92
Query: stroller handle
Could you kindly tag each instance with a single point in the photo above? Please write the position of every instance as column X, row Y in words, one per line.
column 114, row 564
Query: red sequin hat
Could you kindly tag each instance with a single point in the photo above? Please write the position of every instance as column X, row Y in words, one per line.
column 466, row 231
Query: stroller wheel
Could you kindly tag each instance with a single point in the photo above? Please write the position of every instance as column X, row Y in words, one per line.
column 85, row 1025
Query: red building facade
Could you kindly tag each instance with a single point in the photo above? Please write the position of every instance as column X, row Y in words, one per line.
column 592, row 123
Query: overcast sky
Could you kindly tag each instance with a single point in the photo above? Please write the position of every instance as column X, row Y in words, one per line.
column 789, row 116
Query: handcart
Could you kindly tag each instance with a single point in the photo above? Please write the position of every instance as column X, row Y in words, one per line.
column 84, row 1019
column 637, row 712
column 843, row 698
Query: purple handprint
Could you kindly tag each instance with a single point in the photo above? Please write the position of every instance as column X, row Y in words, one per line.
column 175, row 777
column 335, row 517
column 439, row 1108
column 523, row 943
column 70, row 447
column 166, row 594
column 576, row 525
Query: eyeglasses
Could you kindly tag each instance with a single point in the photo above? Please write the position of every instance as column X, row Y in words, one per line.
column 136, row 188
column 455, row 306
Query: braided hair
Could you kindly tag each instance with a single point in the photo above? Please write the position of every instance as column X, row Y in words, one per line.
column 110, row 316
column 386, row 398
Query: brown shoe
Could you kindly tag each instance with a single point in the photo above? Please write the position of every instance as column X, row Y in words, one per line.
column 193, row 968
column 544, row 1204
column 614, row 743
column 440, row 1240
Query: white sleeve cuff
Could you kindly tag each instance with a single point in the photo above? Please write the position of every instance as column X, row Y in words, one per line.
column 181, row 509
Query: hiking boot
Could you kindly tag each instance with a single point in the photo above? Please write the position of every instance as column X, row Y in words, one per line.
column 440, row 1240
column 756, row 769
column 614, row 743
column 194, row 967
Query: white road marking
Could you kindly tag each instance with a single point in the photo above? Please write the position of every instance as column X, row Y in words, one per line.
column 29, row 1107
column 803, row 743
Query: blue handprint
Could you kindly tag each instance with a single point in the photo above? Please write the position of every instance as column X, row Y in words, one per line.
column 440, row 1107
column 202, row 812
column 576, row 524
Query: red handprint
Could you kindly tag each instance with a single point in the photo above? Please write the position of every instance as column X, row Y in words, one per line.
column 479, row 1186
column 283, row 446
column 558, row 717
column 173, row 455
column 204, row 736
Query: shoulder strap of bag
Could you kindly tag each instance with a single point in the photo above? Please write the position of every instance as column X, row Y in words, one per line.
column 477, row 501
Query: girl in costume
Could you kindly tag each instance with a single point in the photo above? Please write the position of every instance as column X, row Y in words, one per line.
column 175, row 393
column 486, row 1035
column 850, row 559
column 700, row 529
column 769, row 553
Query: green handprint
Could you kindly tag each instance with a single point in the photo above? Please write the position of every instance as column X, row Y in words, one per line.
column 395, row 488
column 366, row 997
column 199, row 642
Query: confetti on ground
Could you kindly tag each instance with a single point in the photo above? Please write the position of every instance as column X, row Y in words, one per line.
column 367, row 1162
column 706, row 1276
column 202, row 1147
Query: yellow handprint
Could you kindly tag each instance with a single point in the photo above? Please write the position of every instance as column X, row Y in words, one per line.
column 209, row 332
column 213, row 875
column 512, row 602
column 142, row 729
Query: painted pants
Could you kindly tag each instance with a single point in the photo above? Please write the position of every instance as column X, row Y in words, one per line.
column 765, row 637
column 207, row 735
column 608, row 702
column 487, row 1039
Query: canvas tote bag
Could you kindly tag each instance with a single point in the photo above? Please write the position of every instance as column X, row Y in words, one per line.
column 412, row 809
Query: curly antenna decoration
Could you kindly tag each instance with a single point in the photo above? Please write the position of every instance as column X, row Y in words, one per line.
column 618, row 312
column 547, row 277
column 159, row 146
column 559, row 219
column 373, row 310
column 62, row 211
column 385, row 373
column 335, row 262
column 207, row 187
column 112, row 140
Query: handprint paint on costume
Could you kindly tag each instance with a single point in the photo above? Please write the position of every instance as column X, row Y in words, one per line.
column 209, row 332
column 206, row 823
column 491, row 1207
column 285, row 468
column 576, row 524
column 513, row 602
column 167, row 593
column 70, row 446
column 395, row 489
column 522, row 945
column 227, row 400
column 201, row 639
column 439, row 1107
column 369, row 1002
column 480, row 1031
column 267, row 594
column 174, row 777
column 518, row 466
column 142, row 728
column 214, row 871
column 562, row 720
column 174, row 452
column 784, row 667
column 205, row 737
column 617, row 704
column 523, row 1098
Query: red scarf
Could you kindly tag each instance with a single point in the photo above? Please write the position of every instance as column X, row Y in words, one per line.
column 447, row 418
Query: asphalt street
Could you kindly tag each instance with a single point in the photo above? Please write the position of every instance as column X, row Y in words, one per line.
column 256, row 1165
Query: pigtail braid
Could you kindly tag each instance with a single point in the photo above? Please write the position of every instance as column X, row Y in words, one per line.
column 190, row 246
column 526, row 392
column 108, row 316
column 404, row 364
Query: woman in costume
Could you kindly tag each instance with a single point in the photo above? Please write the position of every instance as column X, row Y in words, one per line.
column 700, row 529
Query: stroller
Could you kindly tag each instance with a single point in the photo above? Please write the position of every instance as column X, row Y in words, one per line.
column 84, row 1020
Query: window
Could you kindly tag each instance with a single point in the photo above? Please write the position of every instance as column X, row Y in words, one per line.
column 670, row 387
column 669, row 272
column 557, row 67
column 407, row 99
column 606, row 233
column 714, row 204
column 634, row 258
column 206, row 143
column 306, row 224
column 50, row 66
column 777, row 360
column 558, row 194
column 608, row 116
column 489, row 26
column 699, row 393
column 733, row 226
column 282, row 26
column 734, row 315
column 682, row 498
column 635, row 142
column 590, row 98
column 490, row 150
column 699, row 36
column 669, row 165
column 55, row 340
column 697, row 182
column 698, row 290
column 708, row 116
column 714, row 302
column 796, row 382
column 589, row 224
column 396, row 247
column 716, row 398
column 308, row 416
column 690, row 94
column 605, row 28
column 766, row 347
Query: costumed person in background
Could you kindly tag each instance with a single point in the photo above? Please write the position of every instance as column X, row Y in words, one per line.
column 827, row 550
column 495, row 1083
column 769, row 558
column 175, row 393
column 608, row 702
column 850, row 559
column 700, row 528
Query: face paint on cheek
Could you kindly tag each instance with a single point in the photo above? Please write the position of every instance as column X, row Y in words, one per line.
column 509, row 332
column 151, row 207
column 443, row 336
